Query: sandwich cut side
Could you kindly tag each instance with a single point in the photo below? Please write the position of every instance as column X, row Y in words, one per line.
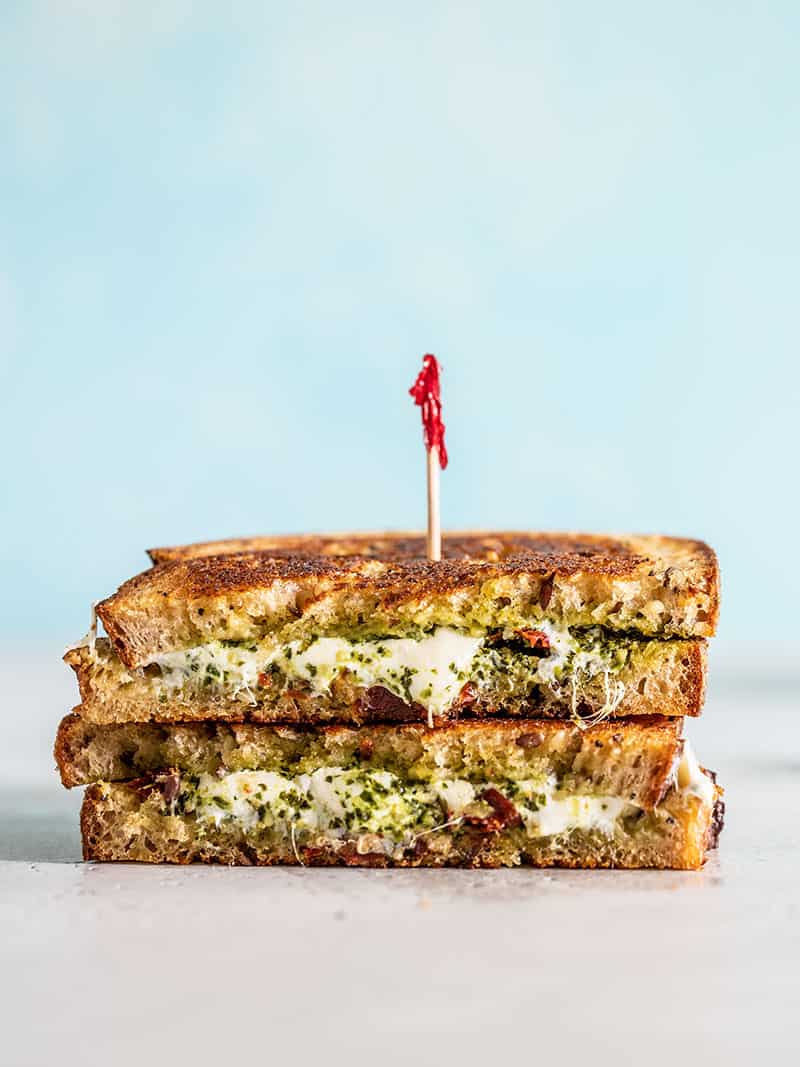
column 357, row 629
column 650, row 586
column 437, row 677
column 480, row 794
column 341, row 700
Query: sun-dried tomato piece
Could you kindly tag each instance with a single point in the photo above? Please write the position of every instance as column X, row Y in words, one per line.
column 545, row 592
column 467, row 696
column 502, row 807
column 535, row 638
column 384, row 706
column 504, row 814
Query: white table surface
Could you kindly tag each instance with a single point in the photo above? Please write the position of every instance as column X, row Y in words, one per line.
column 121, row 964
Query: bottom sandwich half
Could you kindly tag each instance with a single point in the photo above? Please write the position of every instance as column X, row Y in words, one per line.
column 627, row 793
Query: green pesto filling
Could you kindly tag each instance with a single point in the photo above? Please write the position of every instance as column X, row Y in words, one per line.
column 501, row 663
column 339, row 803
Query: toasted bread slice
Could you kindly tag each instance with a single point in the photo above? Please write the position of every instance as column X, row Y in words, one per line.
column 633, row 759
column 651, row 585
column 120, row 822
column 657, row 677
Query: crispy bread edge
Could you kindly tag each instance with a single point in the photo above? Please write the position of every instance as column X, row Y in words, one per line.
column 75, row 735
column 307, row 542
column 101, row 706
column 699, row 837
column 287, row 585
column 69, row 730
column 314, row 543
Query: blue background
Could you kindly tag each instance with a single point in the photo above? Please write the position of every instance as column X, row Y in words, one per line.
column 227, row 237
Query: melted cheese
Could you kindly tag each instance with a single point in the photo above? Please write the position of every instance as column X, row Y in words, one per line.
column 691, row 778
column 558, row 816
column 430, row 670
column 330, row 799
column 345, row 802
column 233, row 667
column 340, row 802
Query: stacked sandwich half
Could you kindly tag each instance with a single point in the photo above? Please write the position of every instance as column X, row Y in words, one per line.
column 342, row 700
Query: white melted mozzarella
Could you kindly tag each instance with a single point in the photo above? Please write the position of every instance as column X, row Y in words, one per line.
column 429, row 671
column 235, row 666
column 543, row 813
column 239, row 795
column 692, row 779
column 562, row 644
column 338, row 801
column 424, row 671
column 454, row 794
column 329, row 799
column 557, row 816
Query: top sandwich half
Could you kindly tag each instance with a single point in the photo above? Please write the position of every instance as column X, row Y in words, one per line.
column 507, row 621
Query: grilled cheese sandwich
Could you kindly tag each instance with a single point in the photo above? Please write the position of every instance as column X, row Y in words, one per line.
column 342, row 700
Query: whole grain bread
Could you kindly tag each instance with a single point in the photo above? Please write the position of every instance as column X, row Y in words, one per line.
column 120, row 823
column 632, row 759
column 301, row 586
column 659, row 677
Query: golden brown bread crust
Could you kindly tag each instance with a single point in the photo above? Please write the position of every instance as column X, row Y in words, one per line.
column 634, row 759
column 548, row 550
column 649, row 584
column 662, row 677
column 118, row 824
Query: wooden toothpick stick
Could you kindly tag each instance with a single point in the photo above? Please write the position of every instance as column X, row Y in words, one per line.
column 427, row 394
column 434, row 544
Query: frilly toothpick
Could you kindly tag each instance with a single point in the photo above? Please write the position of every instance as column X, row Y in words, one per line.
column 426, row 392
